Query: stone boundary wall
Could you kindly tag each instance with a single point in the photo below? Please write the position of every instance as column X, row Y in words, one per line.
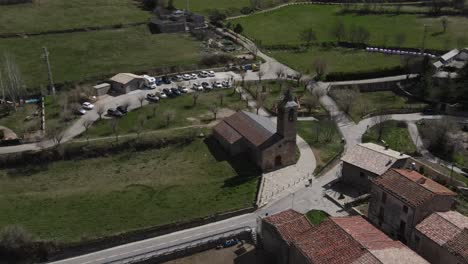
column 71, row 30
column 64, row 251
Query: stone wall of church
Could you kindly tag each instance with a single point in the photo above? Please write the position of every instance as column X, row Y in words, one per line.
column 280, row 154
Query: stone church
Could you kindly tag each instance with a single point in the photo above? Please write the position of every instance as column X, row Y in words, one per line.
column 270, row 146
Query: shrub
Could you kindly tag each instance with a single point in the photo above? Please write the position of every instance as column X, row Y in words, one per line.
column 246, row 10
column 216, row 59
column 402, row 124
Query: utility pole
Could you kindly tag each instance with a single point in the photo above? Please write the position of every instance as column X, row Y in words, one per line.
column 49, row 71
column 188, row 6
column 424, row 38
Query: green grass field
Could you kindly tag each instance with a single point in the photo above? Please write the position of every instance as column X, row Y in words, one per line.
column 283, row 26
column 46, row 15
column 80, row 56
column 397, row 137
column 337, row 59
column 185, row 114
column 373, row 102
column 82, row 199
column 324, row 139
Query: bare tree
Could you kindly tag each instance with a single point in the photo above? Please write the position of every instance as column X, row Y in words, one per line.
column 56, row 135
column 308, row 36
column 11, row 80
column 345, row 98
column 221, row 98
column 115, row 129
column 320, row 66
column 100, row 109
column 169, row 116
column 444, row 22
column 379, row 121
column 87, row 125
column 243, row 74
column 140, row 126
column 298, row 77
column 195, row 97
column 141, row 99
column 328, row 131
column 338, row 31
column 154, row 108
column 260, row 74
column 309, row 101
column 279, row 73
column 214, row 110
column 261, row 99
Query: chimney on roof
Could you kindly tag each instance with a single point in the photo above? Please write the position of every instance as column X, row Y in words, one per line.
column 422, row 180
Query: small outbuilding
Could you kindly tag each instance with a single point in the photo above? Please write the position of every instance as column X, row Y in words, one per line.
column 126, row 82
column 101, row 89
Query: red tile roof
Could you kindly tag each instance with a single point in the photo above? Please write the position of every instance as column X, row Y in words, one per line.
column 289, row 224
column 411, row 187
column 458, row 246
column 365, row 233
column 329, row 244
column 227, row 132
column 425, row 182
column 441, row 227
column 250, row 129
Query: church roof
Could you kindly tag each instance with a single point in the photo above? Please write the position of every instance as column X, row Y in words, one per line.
column 254, row 128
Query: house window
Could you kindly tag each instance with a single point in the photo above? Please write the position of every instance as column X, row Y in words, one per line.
column 381, row 214
column 291, row 115
column 402, row 227
column 405, row 209
column 384, row 197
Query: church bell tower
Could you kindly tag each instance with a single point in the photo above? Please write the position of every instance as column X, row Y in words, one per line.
column 287, row 117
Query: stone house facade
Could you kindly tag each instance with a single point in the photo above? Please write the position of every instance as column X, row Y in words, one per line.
column 367, row 161
column 442, row 238
column 123, row 83
column 401, row 198
column 268, row 145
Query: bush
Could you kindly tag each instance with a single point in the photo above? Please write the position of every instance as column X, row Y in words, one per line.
column 216, row 59
column 246, row 10
column 402, row 124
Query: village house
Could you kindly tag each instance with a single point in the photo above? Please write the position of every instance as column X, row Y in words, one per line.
column 268, row 145
column 123, row 83
column 166, row 21
column 402, row 198
column 442, row 238
column 367, row 161
column 449, row 64
column 338, row 240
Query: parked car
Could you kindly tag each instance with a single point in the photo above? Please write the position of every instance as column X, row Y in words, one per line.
column 217, row 84
column 167, row 92
column 230, row 242
column 87, row 105
column 203, row 74
column 114, row 112
column 152, row 98
column 225, row 84
column 177, row 78
column 159, row 81
column 122, row 109
column 183, row 89
column 166, row 80
column 175, row 91
column 211, row 74
column 187, row 77
column 193, row 76
column 160, row 95
column 206, row 86
column 197, row 87
column 80, row 111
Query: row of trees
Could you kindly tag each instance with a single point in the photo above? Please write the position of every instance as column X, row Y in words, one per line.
column 11, row 82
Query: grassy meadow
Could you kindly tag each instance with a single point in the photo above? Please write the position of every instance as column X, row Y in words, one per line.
column 283, row 26
column 46, row 15
column 80, row 56
column 89, row 198
column 337, row 59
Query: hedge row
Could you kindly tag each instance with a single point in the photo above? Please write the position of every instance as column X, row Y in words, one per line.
column 14, row 2
column 346, row 76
